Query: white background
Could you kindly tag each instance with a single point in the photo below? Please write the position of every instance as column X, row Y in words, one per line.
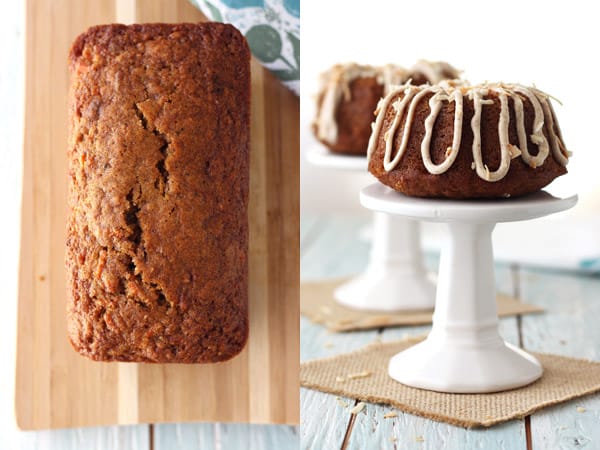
column 552, row 44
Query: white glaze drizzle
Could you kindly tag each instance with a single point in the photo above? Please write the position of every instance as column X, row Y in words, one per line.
column 555, row 138
column 482, row 169
column 435, row 104
column 455, row 91
column 390, row 76
column 434, row 71
column 399, row 106
column 383, row 105
column 537, row 137
column 520, row 119
column 335, row 86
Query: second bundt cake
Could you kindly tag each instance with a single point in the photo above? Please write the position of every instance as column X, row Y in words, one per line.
column 349, row 93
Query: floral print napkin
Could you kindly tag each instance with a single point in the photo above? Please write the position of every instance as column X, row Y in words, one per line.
column 272, row 28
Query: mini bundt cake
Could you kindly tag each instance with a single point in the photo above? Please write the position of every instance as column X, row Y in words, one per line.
column 458, row 141
column 347, row 98
column 349, row 93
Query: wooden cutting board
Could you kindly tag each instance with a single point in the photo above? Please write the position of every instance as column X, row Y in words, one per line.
column 55, row 387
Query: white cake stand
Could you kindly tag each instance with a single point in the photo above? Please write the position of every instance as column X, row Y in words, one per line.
column 464, row 352
column 395, row 279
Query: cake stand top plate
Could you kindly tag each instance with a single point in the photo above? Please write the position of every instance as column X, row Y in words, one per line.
column 381, row 198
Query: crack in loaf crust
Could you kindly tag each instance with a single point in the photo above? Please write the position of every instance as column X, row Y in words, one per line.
column 460, row 181
column 157, row 234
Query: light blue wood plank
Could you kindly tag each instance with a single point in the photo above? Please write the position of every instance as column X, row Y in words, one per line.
column 337, row 251
column 256, row 437
column 318, row 342
column 406, row 431
column 185, row 436
column 217, row 436
column 572, row 425
column 134, row 437
column 309, row 227
column 409, row 431
column 323, row 419
column 569, row 327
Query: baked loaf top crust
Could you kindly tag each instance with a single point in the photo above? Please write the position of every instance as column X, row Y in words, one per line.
column 460, row 141
column 157, row 235
column 348, row 95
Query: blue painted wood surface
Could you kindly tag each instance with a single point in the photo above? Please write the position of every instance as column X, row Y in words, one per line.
column 570, row 327
column 94, row 438
column 332, row 247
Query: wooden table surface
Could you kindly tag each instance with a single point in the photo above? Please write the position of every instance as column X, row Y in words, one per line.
column 332, row 247
column 56, row 387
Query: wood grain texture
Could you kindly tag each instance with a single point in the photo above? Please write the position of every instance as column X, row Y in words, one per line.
column 257, row 437
column 207, row 436
column 185, row 436
column 43, row 357
column 55, row 387
column 325, row 417
column 132, row 437
column 569, row 327
column 333, row 249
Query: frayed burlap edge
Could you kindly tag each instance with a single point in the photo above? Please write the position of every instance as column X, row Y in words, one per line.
column 564, row 379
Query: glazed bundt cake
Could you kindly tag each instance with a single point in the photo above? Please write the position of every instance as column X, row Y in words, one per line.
column 458, row 141
column 347, row 98
column 349, row 93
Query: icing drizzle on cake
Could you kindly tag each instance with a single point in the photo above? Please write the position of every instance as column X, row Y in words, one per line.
column 456, row 91
column 335, row 87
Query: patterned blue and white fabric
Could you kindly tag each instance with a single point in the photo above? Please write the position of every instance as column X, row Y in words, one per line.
column 272, row 28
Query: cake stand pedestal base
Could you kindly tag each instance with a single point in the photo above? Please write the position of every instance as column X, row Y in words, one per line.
column 464, row 352
column 395, row 279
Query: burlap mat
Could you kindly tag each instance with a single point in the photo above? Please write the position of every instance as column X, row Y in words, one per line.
column 362, row 375
column 317, row 303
